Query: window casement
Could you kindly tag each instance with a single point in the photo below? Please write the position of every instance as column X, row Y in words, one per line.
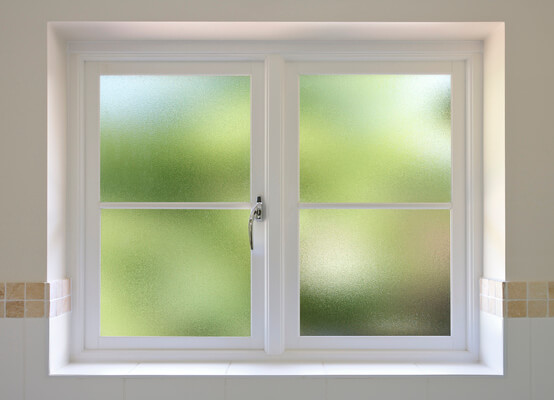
column 364, row 165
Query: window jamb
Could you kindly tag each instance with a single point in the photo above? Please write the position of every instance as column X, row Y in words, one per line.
column 78, row 54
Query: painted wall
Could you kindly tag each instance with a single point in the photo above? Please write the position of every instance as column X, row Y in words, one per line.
column 529, row 192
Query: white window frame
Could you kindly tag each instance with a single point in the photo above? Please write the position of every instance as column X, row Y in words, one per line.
column 278, row 342
column 457, row 206
column 93, row 71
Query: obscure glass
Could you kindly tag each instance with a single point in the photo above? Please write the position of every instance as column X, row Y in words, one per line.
column 175, row 273
column 174, row 138
column 375, row 138
column 374, row 272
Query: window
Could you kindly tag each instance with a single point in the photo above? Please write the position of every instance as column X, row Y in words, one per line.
column 361, row 164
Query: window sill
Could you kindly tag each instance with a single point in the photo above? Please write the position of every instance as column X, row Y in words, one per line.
column 274, row 369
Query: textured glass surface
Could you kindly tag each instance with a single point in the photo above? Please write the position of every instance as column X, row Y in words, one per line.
column 374, row 272
column 175, row 138
column 175, row 273
column 375, row 138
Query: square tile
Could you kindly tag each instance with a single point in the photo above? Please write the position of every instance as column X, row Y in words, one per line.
column 484, row 286
column 66, row 287
column 517, row 309
column 2, row 290
column 275, row 388
column 66, row 305
column 500, row 289
column 205, row 388
column 15, row 291
column 536, row 308
column 34, row 291
column 492, row 305
column 34, row 309
column 55, row 289
column 551, row 308
column 499, row 308
column 551, row 290
column 15, row 309
column 536, row 290
column 484, row 303
column 517, row 290
column 492, row 288
column 2, row 309
column 412, row 388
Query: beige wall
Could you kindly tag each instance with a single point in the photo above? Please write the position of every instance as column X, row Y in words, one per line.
column 529, row 84
column 23, row 192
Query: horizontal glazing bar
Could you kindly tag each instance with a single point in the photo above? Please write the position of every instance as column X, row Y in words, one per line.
column 176, row 205
column 386, row 206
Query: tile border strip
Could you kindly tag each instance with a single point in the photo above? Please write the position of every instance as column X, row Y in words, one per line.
column 517, row 299
column 507, row 299
column 35, row 299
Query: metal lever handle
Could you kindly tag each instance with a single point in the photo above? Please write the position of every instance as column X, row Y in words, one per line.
column 256, row 213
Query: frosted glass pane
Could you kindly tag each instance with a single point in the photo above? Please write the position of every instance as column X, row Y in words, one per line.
column 375, row 138
column 175, row 138
column 175, row 273
column 374, row 272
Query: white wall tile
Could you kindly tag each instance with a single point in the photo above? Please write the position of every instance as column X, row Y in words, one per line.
column 370, row 369
column 514, row 385
column 181, row 369
column 40, row 386
column 201, row 388
column 275, row 388
column 11, row 358
column 275, row 368
column 542, row 358
column 379, row 388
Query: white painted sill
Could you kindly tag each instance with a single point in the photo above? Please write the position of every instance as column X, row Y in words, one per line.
column 315, row 369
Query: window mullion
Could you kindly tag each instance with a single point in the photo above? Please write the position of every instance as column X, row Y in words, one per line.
column 274, row 307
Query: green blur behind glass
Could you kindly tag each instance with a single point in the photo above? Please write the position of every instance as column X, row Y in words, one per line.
column 174, row 138
column 175, row 273
column 375, row 138
column 374, row 272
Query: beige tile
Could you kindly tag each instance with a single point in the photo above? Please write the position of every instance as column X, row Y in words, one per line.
column 492, row 288
column 66, row 305
column 2, row 290
column 1, row 309
column 66, row 287
column 34, row 291
column 551, row 290
column 484, row 286
column 15, row 309
column 492, row 305
column 497, row 290
column 55, row 290
column 517, row 309
column 501, row 290
column 536, row 290
column 15, row 291
column 517, row 290
column 537, row 308
column 47, row 290
column 551, row 308
column 34, row 309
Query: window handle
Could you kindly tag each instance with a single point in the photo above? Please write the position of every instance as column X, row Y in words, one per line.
column 256, row 213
